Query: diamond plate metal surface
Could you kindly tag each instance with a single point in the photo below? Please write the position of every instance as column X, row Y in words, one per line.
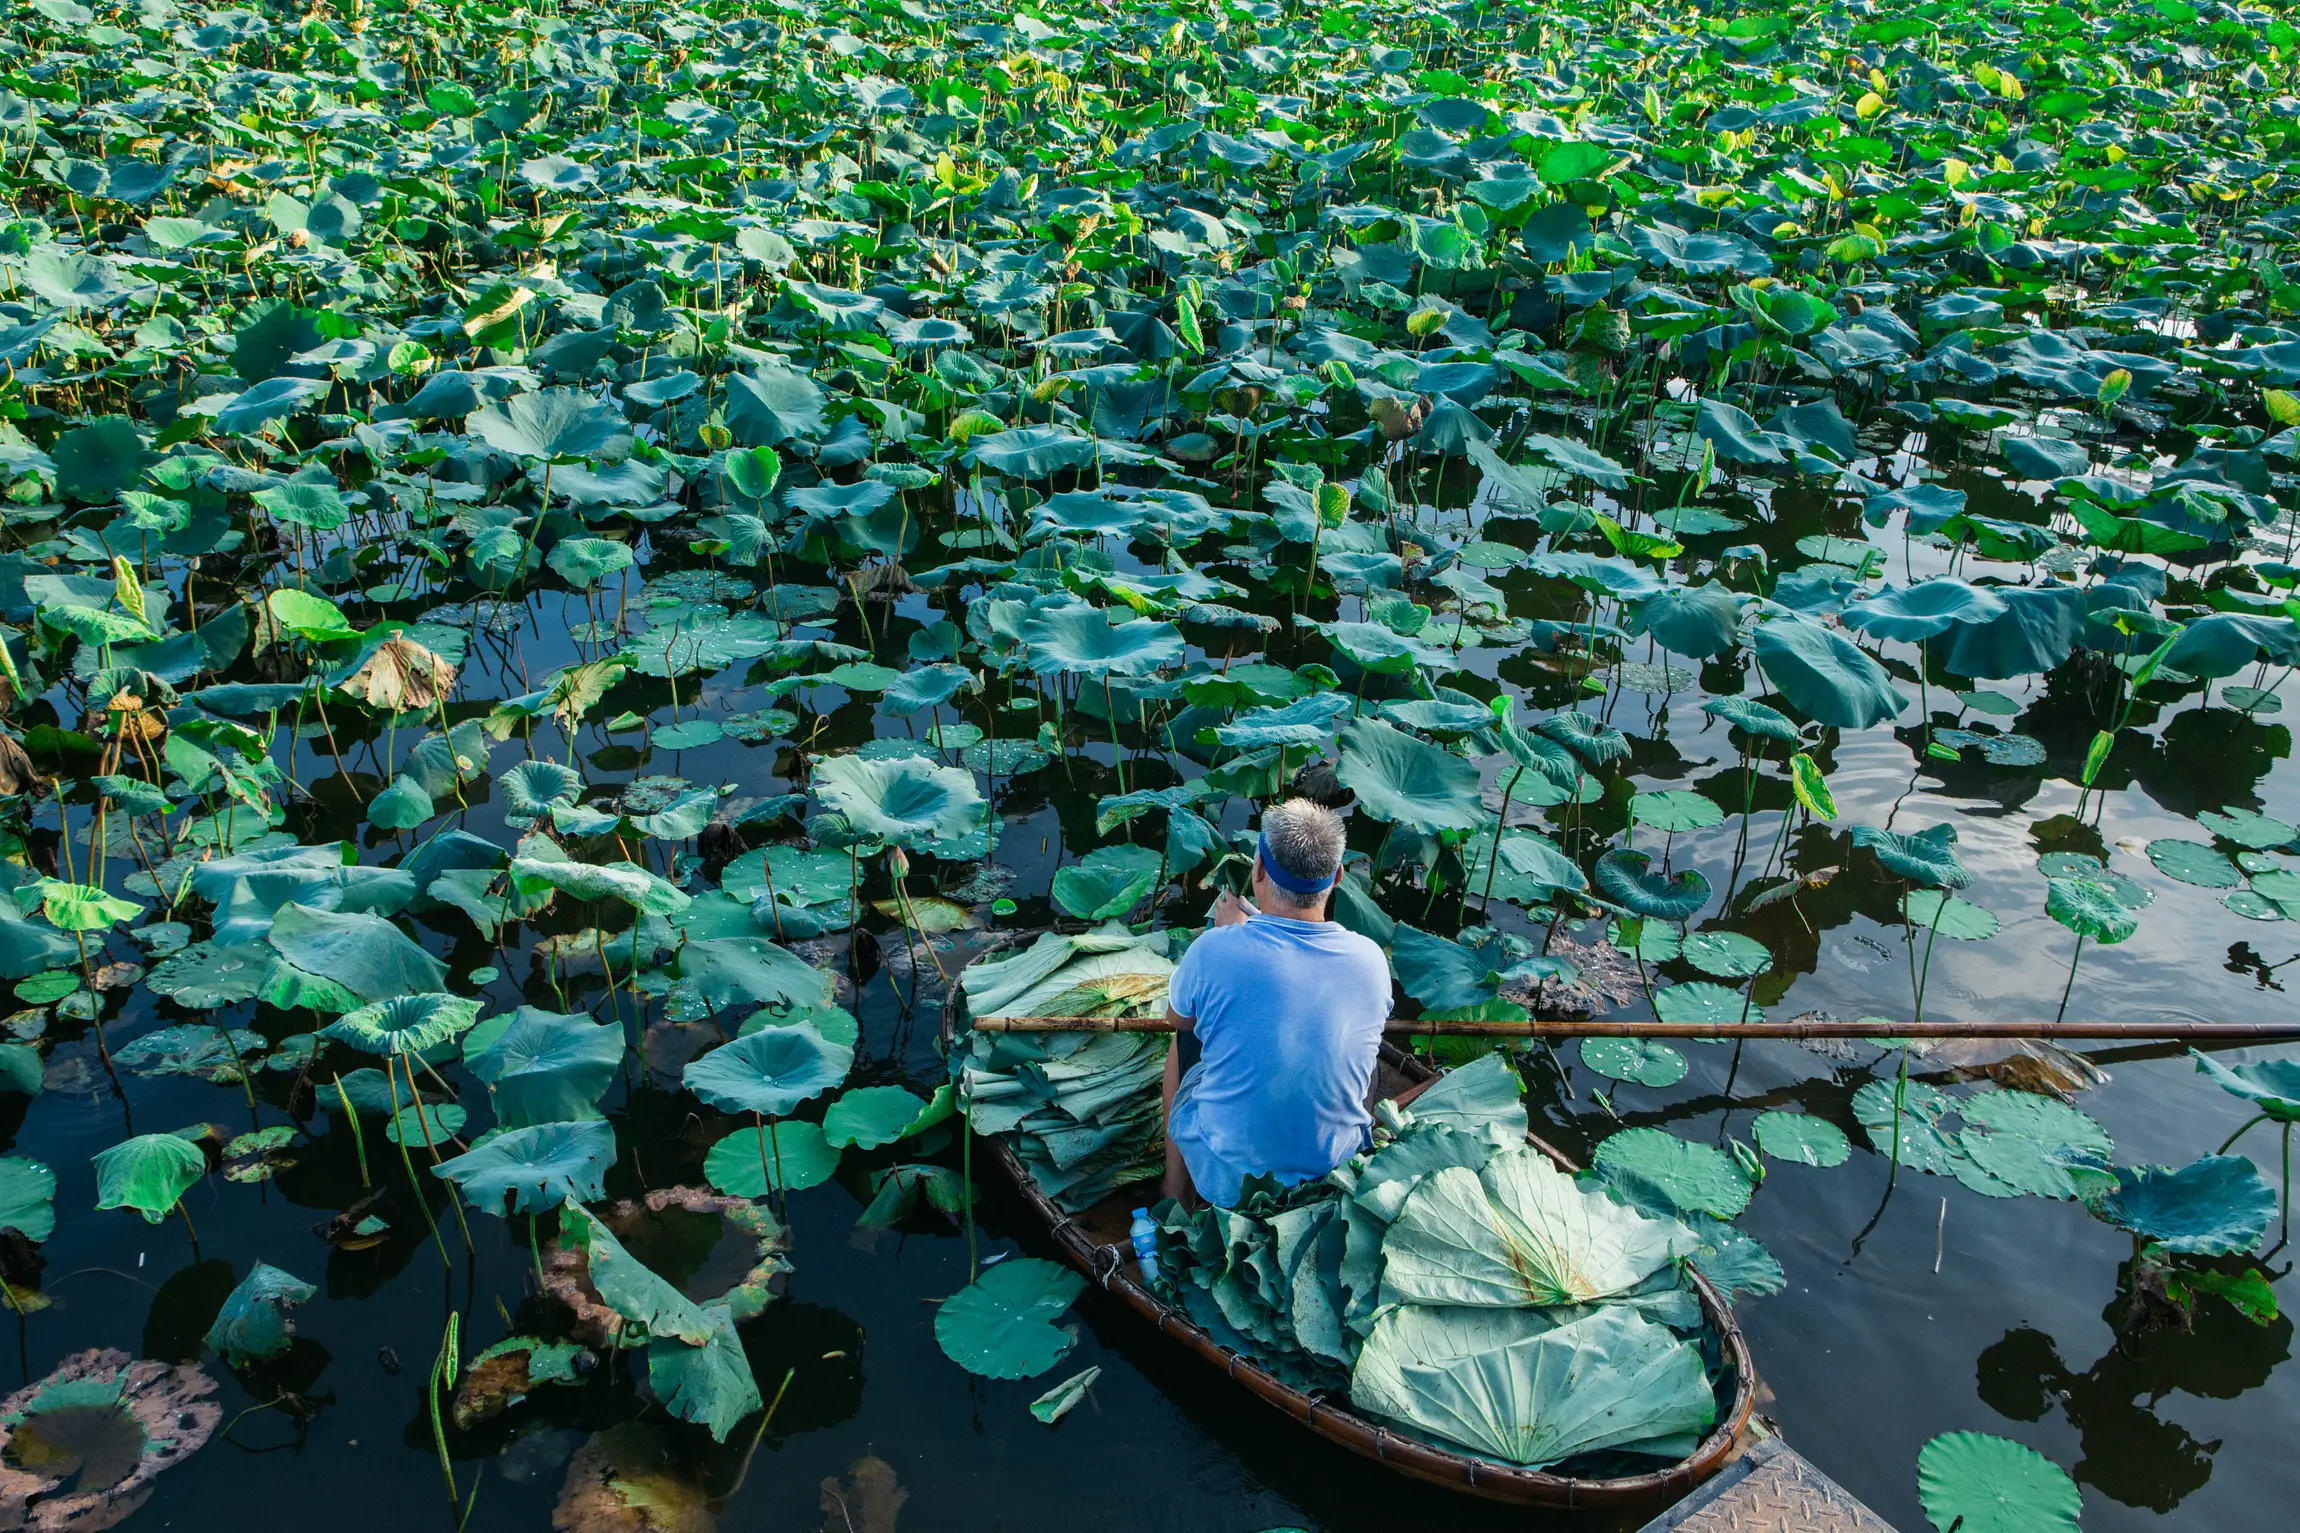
column 1770, row 1489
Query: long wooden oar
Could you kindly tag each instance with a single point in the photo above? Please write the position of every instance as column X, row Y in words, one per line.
column 1606, row 1028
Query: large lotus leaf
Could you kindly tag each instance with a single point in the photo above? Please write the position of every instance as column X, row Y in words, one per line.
column 2090, row 908
column 539, row 1167
column 1601, row 575
column 904, row 799
column 1801, row 1137
column 2223, row 643
column 750, row 970
column 97, row 460
column 205, row 976
column 755, row 1160
column 1925, row 857
column 552, row 424
column 1520, row 1232
column 1307, row 721
column 1408, row 781
column 254, row 1322
column 1031, row 452
column 2035, row 632
column 406, row 1024
column 1824, row 675
column 1656, row 1169
column 2192, row 862
column 1002, row 1325
column 770, row 1071
column 1971, row 1482
column 1630, row 880
column 248, row 412
column 926, row 687
column 2029, row 1141
column 545, row 1066
column 2216, row 1206
column 1438, row 972
column 1083, row 641
column 1609, row 1379
column 1697, row 254
column 650, row 1307
column 870, row 1116
column 1108, row 881
column 711, row 1385
column 27, row 1197
column 1697, row 620
column 642, row 889
column 2273, row 1083
column 773, row 406
column 1920, row 611
column 1486, row 1092
column 148, row 1174
column 364, row 955
column 1639, row 1061
column 1593, row 740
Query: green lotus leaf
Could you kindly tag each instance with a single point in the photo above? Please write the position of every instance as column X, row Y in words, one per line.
column 1950, row 916
column 1927, row 858
column 1656, row 1169
column 431, row 1123
column 97, row 460
column 1921, row 611
column 1803, row 1138
column 1639, row 1061
column 1510, row 1399
column 1407, row 781
column 1671, row 810
column 1700, row 620
column 362, row 956
column 1970, row 1482
column 750, row 970
column 2029, row 1142
column 1629, row 880
column 407, row 1024
column 205, row 976
column 1593, row 741
column 254, row 1322
column 27, row 1197
column 2216, row 1206
column 712, row 1384
column 1753, row 718
column 1002, row 1325
column 584, row 562
column 1825, row 675
column 770, row 1071
column 539, row 1167
column 2272, row 1083
column 870, row 1116
column 897, row 1190
column 775, row 1157
column 1439, row 972
column 544, row 1066
column 2089, row 909
column 626, row 882
column 904, row 800
column 552, row 425
column 2192, row 862
column 1084, row 642
column 148, row 1173
column 1107, row 882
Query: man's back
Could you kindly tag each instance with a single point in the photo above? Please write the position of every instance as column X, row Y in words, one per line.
column 1289, row 1020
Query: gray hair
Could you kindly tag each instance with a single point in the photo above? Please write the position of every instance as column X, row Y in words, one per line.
column 1305, row 840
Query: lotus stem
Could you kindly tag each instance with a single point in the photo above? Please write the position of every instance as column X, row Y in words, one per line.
column 2258, row 1117
column 1493, row 861
column 408, row 1162
column 443, row 1370
column 2071, row 985
column 358, row 1139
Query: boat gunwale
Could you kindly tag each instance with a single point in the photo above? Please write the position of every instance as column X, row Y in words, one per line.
column 1105, row 1265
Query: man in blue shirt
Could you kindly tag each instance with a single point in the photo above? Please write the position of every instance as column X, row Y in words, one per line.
column 1285, row 1009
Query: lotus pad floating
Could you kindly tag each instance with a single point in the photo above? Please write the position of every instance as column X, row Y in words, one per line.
column 107, row 1426
column 1002, row 1326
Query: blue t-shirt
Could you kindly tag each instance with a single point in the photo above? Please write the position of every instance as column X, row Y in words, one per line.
column 1289, row 1020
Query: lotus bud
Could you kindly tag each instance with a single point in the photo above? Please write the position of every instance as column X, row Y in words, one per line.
column 897, row 862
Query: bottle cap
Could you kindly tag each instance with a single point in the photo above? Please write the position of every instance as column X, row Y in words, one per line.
column 1141, row 1213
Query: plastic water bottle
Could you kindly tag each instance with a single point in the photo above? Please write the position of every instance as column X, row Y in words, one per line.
column 1144, row 1234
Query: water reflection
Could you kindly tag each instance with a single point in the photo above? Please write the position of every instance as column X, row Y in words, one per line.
column 2130, row 1452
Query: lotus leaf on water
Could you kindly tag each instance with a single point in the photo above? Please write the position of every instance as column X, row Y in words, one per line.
column 1002, row 1324
column 1802, row 1137
column 786, row 1157
column 770, row 1071
column 1408, row 781
column 2210, row 1207
column 254, row 1322
column 148, row 1173
column 1971, row 1482
column 539, row 1167
column 1654, row 1168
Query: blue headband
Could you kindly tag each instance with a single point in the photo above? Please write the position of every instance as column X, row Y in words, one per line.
column 1288, row 881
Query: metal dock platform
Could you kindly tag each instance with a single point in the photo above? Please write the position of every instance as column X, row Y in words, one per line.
column 1769, row 1489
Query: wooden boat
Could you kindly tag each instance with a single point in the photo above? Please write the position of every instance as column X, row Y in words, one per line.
column 1096, row 1243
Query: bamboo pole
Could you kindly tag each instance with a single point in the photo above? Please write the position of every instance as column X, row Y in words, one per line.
column 2266, row 1032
